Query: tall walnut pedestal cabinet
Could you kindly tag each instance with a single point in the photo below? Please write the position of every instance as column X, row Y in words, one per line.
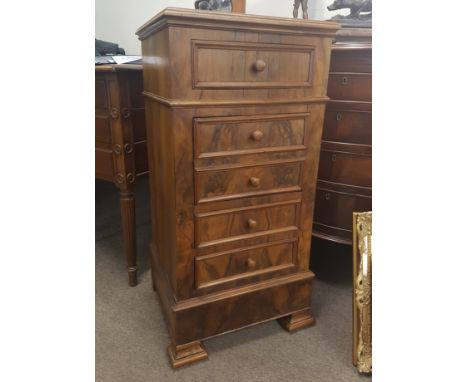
column 344, row 182
column 235, row 107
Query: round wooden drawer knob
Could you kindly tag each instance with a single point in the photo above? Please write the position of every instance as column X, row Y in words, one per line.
column 260, row 66
column 250, row 263
column 257, row 135
column 254, row 182
column 251, row 223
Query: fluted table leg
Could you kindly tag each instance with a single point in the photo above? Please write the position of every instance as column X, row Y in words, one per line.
column 127, row 211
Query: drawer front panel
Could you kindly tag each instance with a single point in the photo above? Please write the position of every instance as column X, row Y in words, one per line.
column 345, row 168
column 348, row 86
column 227, row 266
column 357, row 61
column 104, row 164
column 335, row 209
column 244, row 135
column 248, row 181
column 102, row 129
column 227, row 64
column 227, row 225
column 100, row 96
column 348, row 127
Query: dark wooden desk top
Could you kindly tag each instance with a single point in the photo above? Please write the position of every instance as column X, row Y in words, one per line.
column 117, row 67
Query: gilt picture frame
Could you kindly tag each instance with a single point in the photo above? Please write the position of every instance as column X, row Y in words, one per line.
column 362, row 291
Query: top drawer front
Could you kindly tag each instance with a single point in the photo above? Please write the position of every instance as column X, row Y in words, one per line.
column 349, row 86
column 351, row 60
column 242, row 135
column 227, row 65
column 100, row 93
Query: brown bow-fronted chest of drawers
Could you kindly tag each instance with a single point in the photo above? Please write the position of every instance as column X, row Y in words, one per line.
column 235, row 107
column 345, row 171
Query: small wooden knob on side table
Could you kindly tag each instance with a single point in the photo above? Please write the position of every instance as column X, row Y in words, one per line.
column 254, row 182
column 250, row 263
column 251, row 223
column 257, row 135
column 259, row 66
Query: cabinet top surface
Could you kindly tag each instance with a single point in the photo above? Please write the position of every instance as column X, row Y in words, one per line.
column 225, row 20
column 117, row 67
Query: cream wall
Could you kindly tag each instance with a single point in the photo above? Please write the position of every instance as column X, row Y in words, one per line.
column 117, row 20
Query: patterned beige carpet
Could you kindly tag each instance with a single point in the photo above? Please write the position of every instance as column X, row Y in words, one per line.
column 131, row 336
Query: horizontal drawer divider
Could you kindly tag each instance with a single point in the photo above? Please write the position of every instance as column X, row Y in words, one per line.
column 333, row 227
column 245, row 165
column 347, row 189
column 354, row 73
column 252, row 151
column 246, row 236
column 245, row 274
column 250, row 194
column 350, row 106
column 244, row 249
column 347, row 148
column 238, row 209
column 233, row 103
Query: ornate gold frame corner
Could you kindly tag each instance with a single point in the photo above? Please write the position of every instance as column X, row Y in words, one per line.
column 362, row 291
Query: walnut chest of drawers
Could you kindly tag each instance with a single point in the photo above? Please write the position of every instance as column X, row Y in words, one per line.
column 345, row 169
column 235, row 107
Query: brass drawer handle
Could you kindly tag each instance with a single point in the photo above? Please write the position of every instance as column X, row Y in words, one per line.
column 128, row 148
column 251, row 223
column 125, row 112
column 250, row 263
column 253, row 181
column 114, row 113
column 344, row 80
column 333, row 157
column 338, row 116
column 257, row 135
column 327, row 196
column 260, row 66
column 130, row 177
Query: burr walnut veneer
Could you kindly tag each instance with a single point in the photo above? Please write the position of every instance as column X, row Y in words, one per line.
column 120, row 142
column 235, row 107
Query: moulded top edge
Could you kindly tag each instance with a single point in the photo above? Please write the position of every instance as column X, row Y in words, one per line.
column 193, row 17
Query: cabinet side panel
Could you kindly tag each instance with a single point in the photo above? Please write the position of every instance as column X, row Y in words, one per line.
column 182, row 127
column 156, row 68
column 309, row 182
column 161, row 165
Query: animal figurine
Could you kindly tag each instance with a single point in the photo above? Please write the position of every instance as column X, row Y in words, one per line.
column 356, row 8
column 213, row 5
column 303, row 4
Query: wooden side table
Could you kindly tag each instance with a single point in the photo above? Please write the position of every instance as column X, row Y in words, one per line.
column 120, row 142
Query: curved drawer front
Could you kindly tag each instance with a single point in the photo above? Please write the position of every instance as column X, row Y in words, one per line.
column 348, row 126
column 351, row 60
column 227, row 225
column 228, row 64
column 335, row 210
column 229, row 183
column 352, row 169
column 243, row 135
column 350, row 86
column 226, row 266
